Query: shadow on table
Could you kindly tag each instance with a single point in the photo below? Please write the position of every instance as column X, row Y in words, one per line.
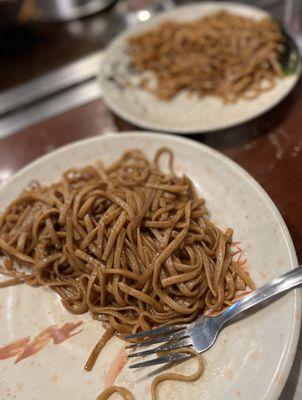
column 241, row 134
column 289, row 391
column 244, row 133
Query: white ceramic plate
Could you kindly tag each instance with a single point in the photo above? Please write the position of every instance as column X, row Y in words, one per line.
column 250, row 360
column 182, row 114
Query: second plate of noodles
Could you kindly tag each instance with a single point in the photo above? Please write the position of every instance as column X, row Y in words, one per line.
column 181, row 69
column 222, row 54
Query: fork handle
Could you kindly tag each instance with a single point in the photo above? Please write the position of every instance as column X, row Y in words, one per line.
column 285, row 282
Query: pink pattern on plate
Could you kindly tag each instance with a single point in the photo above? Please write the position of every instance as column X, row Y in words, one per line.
column 26, row 347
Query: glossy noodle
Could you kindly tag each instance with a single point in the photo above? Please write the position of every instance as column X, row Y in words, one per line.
column 107, row 393
column 130, row 243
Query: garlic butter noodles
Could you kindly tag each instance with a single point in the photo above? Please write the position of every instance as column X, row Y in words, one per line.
column 222, row 54
column 129, row 243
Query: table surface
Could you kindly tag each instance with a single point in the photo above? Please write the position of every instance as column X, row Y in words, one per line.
column 270, row 148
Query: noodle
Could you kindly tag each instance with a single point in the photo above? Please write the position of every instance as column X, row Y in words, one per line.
column 222, row 54
column 98, row 348
column 130, row 243
column 172, row 376
column 126, row 395
column 178, row 377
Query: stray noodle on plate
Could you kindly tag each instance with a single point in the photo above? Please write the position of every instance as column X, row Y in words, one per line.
column 222, row 54
column 130, row 243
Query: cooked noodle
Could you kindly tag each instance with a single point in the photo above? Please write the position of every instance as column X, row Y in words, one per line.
column 107, row 393
column 222, row 54
column 98, row 348
column 171, row 376
column 130, row 243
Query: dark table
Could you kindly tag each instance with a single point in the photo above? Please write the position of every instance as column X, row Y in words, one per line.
column 269, row 148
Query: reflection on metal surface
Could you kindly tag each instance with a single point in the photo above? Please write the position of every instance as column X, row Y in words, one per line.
column 132, row 12
column 63, row 10
column 60, row 79
column 49, row 107
column 143, row 15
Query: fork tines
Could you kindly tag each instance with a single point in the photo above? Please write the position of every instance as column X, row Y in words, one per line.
column 162, row 360
column 172, row 337
column 182, row 342
column 157, row 331
column 159, row 339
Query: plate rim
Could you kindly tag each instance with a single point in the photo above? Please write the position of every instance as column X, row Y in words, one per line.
column 274, row 389
column 140, row 122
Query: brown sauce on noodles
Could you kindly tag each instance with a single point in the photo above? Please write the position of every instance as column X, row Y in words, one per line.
column 130, row 243
column 222, row 54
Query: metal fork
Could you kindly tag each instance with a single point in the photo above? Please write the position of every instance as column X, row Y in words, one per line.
column 201, row 334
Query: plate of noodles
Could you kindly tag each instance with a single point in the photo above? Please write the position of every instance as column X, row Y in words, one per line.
column 117, row 234
column 199, row 68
